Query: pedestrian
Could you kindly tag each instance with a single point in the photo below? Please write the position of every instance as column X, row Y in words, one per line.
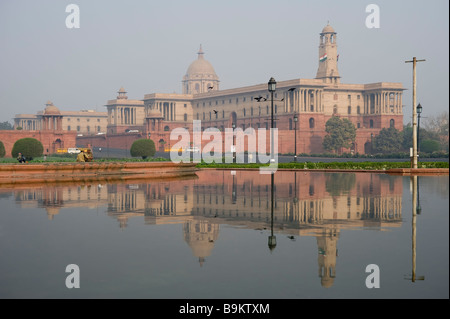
column 21, row 158
column 81, row 157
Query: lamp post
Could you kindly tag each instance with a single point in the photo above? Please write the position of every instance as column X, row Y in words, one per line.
column 295, row 137
column 272, row 85
column 414, row 150
column 371, row 143
column 418, row 110
column 233, row 125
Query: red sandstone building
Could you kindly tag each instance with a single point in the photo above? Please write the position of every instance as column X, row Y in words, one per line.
column 301, row 108
column 50, row 132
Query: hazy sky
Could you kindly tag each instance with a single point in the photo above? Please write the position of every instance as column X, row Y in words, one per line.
column 146, row 47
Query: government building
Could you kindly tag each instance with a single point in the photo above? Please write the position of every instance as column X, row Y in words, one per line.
column 301, row 108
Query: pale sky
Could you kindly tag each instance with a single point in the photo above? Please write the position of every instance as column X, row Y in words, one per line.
column 146, row 47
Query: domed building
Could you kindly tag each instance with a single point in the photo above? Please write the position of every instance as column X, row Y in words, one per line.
column 200, row 76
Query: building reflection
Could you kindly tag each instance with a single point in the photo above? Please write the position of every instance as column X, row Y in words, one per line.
column 297, row 204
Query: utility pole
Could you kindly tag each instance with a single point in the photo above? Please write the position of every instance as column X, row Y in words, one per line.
column 414, row 62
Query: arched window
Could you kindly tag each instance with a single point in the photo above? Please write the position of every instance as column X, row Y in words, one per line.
column 392, row 123
column 335, row 109
column 311, row 123
column 166, row 128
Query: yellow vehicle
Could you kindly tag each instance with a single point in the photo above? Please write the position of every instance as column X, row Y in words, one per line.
column 73, row 150
column 173, row 150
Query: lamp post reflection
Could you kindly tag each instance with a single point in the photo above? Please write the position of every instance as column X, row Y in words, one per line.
column 413, row 180
column 272, row 239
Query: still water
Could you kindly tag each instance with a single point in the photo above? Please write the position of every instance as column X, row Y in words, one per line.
column 221, row 234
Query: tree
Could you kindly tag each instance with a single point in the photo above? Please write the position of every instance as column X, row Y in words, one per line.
column 29, row 147
column 2, row 150
column 388, row 141
column 341, row 133
column 429, row 146
column 143, row 147
column 6, row 126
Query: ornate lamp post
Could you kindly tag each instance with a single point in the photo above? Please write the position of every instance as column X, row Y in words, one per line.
column 295, row 137
column 419, row 110
column 272, row 86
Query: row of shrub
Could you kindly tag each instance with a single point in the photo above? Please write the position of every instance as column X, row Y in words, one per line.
column 333, row 165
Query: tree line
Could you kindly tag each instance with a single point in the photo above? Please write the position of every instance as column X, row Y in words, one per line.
column 432, row 137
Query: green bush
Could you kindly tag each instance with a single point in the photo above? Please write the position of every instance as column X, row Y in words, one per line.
column 2, row 150
column 143, row 147
column 29, row 147
column 429, row 146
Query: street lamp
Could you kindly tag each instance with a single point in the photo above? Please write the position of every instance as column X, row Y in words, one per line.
column 419, row 110
column 272, row 85
column 371, row 143
column 233, row 125
column 295, row 137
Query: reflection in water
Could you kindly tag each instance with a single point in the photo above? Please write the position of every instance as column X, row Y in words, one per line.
column 416, row 209
column 297, row 204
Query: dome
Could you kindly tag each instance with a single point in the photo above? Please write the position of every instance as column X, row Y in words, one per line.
column 51, row 109
column 328, row 29
column 201, row 67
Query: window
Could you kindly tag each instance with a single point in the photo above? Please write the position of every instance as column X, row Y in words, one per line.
column 98, row 128
column 311, row 123
column 185, row 116
column 371, row 124
column 392, row 123
column 88, row 128
column 358, row 125
column 358, row 109
column 349, row 109
column 78, row 128
column 68, row 119
column 68, row 128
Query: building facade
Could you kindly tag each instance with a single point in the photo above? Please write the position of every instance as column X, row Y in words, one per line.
column 301, row 106
column 301, row 109
column 84, row 122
